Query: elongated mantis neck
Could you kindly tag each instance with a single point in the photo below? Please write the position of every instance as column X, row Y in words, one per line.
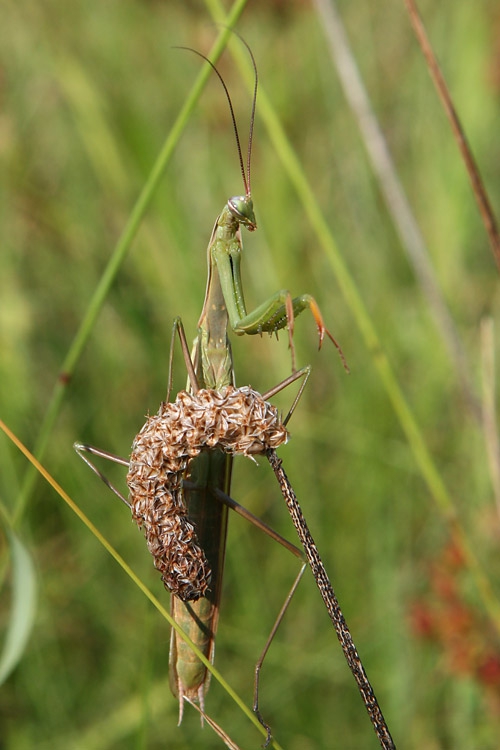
column 213, row 355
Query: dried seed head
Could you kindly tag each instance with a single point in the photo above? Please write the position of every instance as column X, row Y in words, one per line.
column 234, row 420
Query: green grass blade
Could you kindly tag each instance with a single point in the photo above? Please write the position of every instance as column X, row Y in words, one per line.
column 119, row 253
column 23, row 605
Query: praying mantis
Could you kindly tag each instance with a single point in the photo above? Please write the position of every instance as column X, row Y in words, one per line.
column 223, row 307
column 180, row 495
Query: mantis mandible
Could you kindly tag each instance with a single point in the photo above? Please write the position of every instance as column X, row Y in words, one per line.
column 205, row 488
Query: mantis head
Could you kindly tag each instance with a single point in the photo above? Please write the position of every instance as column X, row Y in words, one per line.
column 241, row 207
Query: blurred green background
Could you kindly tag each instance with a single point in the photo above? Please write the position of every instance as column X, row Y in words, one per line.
column 89, row 91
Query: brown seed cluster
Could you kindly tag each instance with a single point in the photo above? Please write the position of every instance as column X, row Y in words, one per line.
column 235, row 420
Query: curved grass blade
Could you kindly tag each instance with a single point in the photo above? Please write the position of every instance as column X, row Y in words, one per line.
column 23, row 605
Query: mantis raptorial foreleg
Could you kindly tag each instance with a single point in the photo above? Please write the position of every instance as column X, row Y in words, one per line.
column 225, row 298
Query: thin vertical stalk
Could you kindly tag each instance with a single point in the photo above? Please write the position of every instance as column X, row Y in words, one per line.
column 117, row 257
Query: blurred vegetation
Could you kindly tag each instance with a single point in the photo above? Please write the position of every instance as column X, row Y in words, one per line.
column 89, row 91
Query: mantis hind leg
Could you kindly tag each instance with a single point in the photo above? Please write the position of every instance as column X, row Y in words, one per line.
column 304, row 373
column 83, row 448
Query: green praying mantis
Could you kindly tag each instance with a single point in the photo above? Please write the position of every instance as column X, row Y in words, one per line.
column 184, row 507
column 224, row 307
